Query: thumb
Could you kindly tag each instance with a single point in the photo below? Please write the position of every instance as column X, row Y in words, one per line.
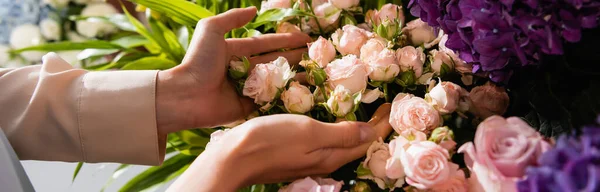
column 346, row 134
column 225, row 22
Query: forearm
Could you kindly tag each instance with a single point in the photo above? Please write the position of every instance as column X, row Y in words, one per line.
column 55, row 112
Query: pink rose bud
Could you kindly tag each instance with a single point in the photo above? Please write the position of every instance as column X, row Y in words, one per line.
column 410, row 112
column 488, row 100
column 344, row 4
column 444, row 137
column 426, row 164
column 266, row 80
column 316, row 185
column 297, row 98
column 501, row 151
column 286, row 27
column 321, row 51
column 348, row 71
column 410, row 58
column 418, row 32
column 327, row 15
column 370, row 50
column 341, row 102
column 444, row 97
column 390, row 12
column 377, row 157
column 275, row 4
column 460, row 65
column 350, row 39
column 385, row 68
column 441, row 58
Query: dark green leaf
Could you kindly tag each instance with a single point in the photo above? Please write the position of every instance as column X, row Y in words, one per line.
column 77, row 169
column 150, row 63
column 159, row 174
column 180, row 11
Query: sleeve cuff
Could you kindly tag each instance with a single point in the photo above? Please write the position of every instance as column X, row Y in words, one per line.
column 117, row 118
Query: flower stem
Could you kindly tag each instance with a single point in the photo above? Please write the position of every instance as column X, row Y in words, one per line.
column 385, row 92
column 316, row 18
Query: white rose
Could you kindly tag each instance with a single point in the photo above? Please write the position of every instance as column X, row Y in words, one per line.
column 56, row 3
column 4, row 56
column 27, row 35
column 348, row 71
column 266, row 80
column 341, row 102
column 96, row 28
column 297, row 98
column 50, row 29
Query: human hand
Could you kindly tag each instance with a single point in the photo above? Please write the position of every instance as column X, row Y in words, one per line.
column 280, row 148
column 197, row 93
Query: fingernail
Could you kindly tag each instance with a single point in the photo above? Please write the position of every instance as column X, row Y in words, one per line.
column 366, row 132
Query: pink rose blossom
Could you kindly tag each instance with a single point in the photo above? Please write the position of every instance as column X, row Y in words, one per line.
column 388, row 12
column 419, row 32
column 350, row 39
column 460, row 65
column 321, row 51
column 425, row 164
column 411, row 58
column 286, row 27
column 440, row 58
column 409, row 112
column 344, row 4
column 266, row 80
column 445, row 97
column 297, row 98
column 381, row 60
column 455, row 183
column 488, row 100
column 348, row 71
column 327, row 15
column 313, row 185
column 501, row 151
column 413, row 135
column 275, row 4
column 377, row 155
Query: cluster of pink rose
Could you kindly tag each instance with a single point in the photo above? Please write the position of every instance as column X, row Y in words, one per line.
column 356, row 65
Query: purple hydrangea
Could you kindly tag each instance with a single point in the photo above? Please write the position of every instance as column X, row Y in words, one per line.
column 572, row 166
column 497, row 36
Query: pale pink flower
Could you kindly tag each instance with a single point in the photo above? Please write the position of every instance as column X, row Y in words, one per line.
column 455, row 183
column 297, row 98
column 425, row 164
column 348, row 71
column 411, row 58
column 275, row 4
column 419, row 32
column 344, row 4
column 327, row 15
column 390, row 12
column 410, row 112
column 286, row 27
column 460, row 65
column 445, row 97
column 266, row 80
column 313, row 185
column 321, row 51
column 350, row 39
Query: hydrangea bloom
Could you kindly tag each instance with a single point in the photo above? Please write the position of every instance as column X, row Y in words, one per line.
column 496, row 36
column 574, row 165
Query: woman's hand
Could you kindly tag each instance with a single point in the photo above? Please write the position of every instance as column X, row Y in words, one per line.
column 280, row 148
column 197, row 93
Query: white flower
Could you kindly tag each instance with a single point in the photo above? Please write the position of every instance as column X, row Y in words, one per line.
column 4, row 56
column 96, row 28
column 56, row 3
column 50, row 29
column 341, row 102
column 298, row 98
column 27, row 35
column 266, row 80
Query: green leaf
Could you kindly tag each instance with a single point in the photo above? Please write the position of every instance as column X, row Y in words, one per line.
column 272, row 15
column 150, row 63
column 70, row 46
column 181, row 11
column 159, row 174
column 131, row 41
column 167, row 40
column 77, row 169
column 362, row 171
column 193, row 139
column 140, row 27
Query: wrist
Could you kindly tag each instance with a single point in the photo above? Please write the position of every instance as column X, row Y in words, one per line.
column 168, row 120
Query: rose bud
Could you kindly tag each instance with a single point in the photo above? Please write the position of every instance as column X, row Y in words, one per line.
column 344, row 4
column 376, row 160
column 388, row 29
column 321, row 51
column 350, row 39
column 239, row 69
column 445, row 97
column 310, row 184
column 348, row 71
column 460, row 65
column 297, row 98
column 388, row 12
column 444, row 137
column 327, row 14
column 419, row 32
column 441, row 58
column 488, row 100
column 341, row 102
column 410, row 58
column 266, row 80
column 286, row 27
column 385, row 68
column 361, row 187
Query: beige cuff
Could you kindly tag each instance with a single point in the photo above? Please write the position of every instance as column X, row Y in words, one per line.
column 117, row 118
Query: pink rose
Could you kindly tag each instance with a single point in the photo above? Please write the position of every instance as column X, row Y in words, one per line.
column 266, row 80
column 410, row 58
column 488, row 100
column 409, row 112
column 425, row 164
column 344, row 4
column 445, row 97
column 350, row 39
column 384, row 68
column 419, row 32
column 501, row 151
column 327, row 15
column 377, row 155
column 297, row 98
column 348, row 71
column 413, row 135
column 370, row 50
column 440, row 58
column 321, row 51
column 313, row 185
column 275, row 4
column 460, row 65
column 388, row 12
column 340, row 102
column 455, row 183
column 286, row 27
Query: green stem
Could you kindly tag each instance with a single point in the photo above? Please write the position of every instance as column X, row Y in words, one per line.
column 322, row 89
column 316, row 18
column 385, row 92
